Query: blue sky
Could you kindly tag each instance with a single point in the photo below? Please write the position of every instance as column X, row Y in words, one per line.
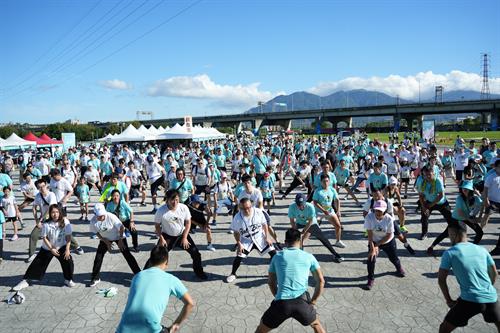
column 106, row 59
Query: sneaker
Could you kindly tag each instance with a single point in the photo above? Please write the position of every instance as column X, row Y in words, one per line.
column 338, row 260
column 340, row 244
column 403, row 229
column 401, row 272
column 230, row 231
column 69, row 283
column 282, row 192
column 93, row 237
column 365, row 234
column 357, row 191
column 495, row 251
column 423, row 236
column 79, row 251
column 143, row 204
column 430, row 251
column 21, row 285
column 210, row 247
column 409, row 248
column 231, row 278
column 93, row 283
column 405, row 196
column 14, row 238
column 30, row 258
column 369, row 284
column 235, row 247
column 153, row 211
column 81, row 218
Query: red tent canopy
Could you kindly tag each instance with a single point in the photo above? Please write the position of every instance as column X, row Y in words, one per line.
column 32, row 137
column 47, row 138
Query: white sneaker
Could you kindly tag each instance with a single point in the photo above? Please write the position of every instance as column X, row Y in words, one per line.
column 21, row 285
column 79, row 251
column 93, row 283
column 231, row 278
column 14, row 238
column 340, row 244
column 31, row 257
column 210, row 247
column 69, row 283
column 230, row 231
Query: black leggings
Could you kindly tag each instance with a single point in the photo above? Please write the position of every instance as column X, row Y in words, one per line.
column 474, row 226
column 238, row 259
column 444, row 209
column 133, row 233
column 390, row 249
column 295, row 183
column 38, row 267
column 101, row 251
column 316, row 231
column 193, row 251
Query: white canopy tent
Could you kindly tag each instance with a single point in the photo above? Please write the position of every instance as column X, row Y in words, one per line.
column 131, row 134
column 198, row 133
column 14, row 141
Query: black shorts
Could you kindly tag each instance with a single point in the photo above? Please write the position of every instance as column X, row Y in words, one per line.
column 11, row 219
column 198, row 217
column 136, row 188
column 297, row 308
column 277, row 176
column 268, row 200
column 199, row 189
column 405, row 180
column 156, row 185
column 493, row 207
column 460, row 314
column 458, row 174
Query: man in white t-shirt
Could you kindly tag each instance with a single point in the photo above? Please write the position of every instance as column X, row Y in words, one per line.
column 250, row 232
column 380, row 226
column 172, row 225
column 136, row 182
column 156, row 175
column 109, row 229
column 62, row 188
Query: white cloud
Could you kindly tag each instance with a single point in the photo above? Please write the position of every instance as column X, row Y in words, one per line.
column 408, row 86
column 115, row 84
column 202, row 87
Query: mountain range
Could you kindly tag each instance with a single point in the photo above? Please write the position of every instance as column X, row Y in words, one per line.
column 353, row 98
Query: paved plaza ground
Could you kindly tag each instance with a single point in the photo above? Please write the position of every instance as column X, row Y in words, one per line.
column 410, row 304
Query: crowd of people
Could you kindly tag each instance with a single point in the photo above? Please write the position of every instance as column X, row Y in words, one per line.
column 191, row 185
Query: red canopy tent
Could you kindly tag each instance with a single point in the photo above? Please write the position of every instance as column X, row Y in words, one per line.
column 50, row 140
column 32, row 137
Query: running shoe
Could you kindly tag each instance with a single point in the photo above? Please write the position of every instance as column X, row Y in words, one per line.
column 94, row 283
column 403, row 229
column 21, row 285
column 79, row 251
column 210, row 247
column 231, row 278
column 14, row 238
column 30, row 258
column 401, row 272
column 409, row 248
column 69, row 283
column 338, row 260
column 340, row 244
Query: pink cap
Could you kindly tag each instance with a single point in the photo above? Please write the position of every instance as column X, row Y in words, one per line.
column 380, row 205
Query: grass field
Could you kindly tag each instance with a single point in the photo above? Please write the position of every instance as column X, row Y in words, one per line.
column 447, row 138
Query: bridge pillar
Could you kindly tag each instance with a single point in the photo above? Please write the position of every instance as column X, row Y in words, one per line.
column 410, row 118
column 336, row 120
column 494, row 121
column 397, row 122
column 207, row 124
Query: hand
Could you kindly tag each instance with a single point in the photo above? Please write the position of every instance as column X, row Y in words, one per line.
column 38, row 225
column 270, row 243
column 373, row 252
column 240, row 248
column 451, row 303
column 54, row 252
column 121, row 246
column 67, row 254
column 132, row 226
column 185, row 244
column 174, row 328
column 162, row 241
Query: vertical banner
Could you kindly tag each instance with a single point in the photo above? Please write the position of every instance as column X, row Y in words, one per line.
column 69, row 140
column 428, row 129
column 188, row 122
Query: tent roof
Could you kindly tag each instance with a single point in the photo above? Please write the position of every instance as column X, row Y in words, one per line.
column 49, row 139
column 132, row 134
column 14, row 140
column 32, row 137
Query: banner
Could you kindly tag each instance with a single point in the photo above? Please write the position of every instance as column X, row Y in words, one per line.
column 188, row 122
column 69, row 140
column 428, row 129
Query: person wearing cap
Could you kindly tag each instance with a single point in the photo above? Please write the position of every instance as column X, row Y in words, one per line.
column 491, row 198
column 324, row 198
column 479, row 171
column 198, row 208
column 148, row 297
column 172, row 226
column 476, row 274
column 302, row 215
column 288, row 281
column 395, row 197
column 380, row 226
column 156, row 174
column 250, row 227
column 223, row 197
column 431, row 197
column 109, row 229
column 56, row 235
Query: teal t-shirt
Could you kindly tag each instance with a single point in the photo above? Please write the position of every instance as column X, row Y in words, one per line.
column 2, row 221
column 302, row 216
column 106, row 168
column 378, row 181
column 430, row 190
column 324, row 197
column 461, row 205
column 83, row 193
column 267, row 188
column 470, row 264
column 260, row 164
column 124, row 212
column 185, row 190
column 292, row 267
column 147, row 300
column 5, row 181
column 317, row 179
column 342, row 175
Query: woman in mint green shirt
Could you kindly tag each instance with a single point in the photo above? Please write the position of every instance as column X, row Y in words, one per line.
column 124, row 212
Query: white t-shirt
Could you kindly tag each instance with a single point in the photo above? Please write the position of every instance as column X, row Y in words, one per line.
column 222, row 190
column 172, row 221
column 154, row 171
column 56, row 235
column 251, row 229
column 68, row 174
column 380, row 228
column 29, row 188
column 135, row 176
column 9, row 205
column 492, row 182
column 60, row 188
column 109, row 228
column 255, row 197
column 50, row 198
column 91, row 176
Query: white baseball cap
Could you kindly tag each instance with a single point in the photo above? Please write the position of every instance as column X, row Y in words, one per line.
column 99, row 209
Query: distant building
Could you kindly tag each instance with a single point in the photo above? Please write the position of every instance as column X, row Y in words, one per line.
column 73, row 121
